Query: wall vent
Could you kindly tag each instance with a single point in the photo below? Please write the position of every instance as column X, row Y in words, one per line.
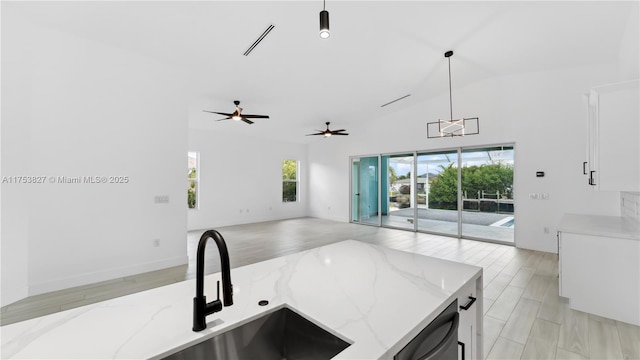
column 260, row 38
column 398, row 99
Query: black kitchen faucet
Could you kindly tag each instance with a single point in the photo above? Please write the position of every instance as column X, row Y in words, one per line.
column 200, row 306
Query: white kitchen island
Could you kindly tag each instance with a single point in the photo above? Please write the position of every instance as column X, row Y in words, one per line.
column 375, row 298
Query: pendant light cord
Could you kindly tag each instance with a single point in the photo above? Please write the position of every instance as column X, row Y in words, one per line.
column 324, row 3
column 450, row 98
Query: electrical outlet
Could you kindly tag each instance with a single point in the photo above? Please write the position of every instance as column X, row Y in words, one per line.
column 539, row 196
column 156, row 242
column 161, row 199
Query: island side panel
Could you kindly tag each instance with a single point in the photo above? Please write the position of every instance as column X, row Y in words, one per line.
column 470, row 328
column 479, row 318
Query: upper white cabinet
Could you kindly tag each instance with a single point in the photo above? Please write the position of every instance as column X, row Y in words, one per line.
column 614, row 137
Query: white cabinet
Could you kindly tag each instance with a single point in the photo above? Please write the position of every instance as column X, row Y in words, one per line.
column 470, row 326
column 601, row 275
column 613, row 155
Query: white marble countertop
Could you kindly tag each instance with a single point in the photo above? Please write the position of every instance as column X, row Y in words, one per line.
column 600, row 225
column 375, row 298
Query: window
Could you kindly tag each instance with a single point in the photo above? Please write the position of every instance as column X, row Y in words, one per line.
column 289, row 180
column 192, row 180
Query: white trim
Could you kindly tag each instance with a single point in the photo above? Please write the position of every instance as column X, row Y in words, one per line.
column 109, row 274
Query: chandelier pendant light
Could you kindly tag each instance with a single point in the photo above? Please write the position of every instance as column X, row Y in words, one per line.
column 324, row 22
column 452, row 127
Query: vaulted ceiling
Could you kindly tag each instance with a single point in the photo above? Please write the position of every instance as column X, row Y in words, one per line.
column 378, row 50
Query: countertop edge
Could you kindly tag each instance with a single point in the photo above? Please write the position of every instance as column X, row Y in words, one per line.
column 600, row 225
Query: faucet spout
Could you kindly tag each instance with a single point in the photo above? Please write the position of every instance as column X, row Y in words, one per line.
column 200, row 306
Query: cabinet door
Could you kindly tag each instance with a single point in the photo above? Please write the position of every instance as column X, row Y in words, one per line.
column 467, row 308
column 561, row 291
column 614, row 133
column 599, row 275
column 589, row 167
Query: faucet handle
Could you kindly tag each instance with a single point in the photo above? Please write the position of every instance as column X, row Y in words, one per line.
column 218, row 290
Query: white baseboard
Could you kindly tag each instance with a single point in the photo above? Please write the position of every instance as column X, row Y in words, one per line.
column 109, row 274
column 9, row 297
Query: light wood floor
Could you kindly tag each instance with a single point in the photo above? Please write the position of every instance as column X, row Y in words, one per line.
column 524, row 316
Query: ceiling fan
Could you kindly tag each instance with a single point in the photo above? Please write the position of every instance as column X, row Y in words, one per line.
column 327, row 132
column 237, row 115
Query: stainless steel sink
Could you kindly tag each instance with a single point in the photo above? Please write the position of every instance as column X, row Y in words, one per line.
column 282, row 334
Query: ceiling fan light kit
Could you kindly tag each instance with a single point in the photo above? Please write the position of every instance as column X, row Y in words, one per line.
column 324, row 22
column 238, row 115
column 452, row 127
column 327, row 132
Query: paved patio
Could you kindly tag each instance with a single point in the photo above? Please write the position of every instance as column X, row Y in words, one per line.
column 475, row 224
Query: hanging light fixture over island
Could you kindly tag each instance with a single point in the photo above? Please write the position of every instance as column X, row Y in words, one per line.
column 452, row 127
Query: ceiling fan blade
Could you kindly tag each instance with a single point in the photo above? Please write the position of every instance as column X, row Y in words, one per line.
column 247, row 120
column 340, row 134
column 314, row 134
column 227, row 118
column 255, row 116
column 337, row 131
column 219, row 113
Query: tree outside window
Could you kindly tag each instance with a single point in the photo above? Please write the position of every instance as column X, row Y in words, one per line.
column 289, row 180
column 478, row 180
column 192, row 180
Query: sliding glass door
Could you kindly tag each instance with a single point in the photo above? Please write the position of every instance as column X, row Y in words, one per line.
column 487, row 193
column 438, row 196
column 464, row 192
column 365, row 206
column 398, row 202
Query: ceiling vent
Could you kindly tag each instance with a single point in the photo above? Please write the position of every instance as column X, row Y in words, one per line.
column 398, row 99
column 259, row 40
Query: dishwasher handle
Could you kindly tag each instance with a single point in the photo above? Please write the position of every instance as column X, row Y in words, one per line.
column 453, row 331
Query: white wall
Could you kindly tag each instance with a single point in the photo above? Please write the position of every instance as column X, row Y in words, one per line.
column 629, row 58
column 542, row 113
column 73, row 107
column 241, row 179
column 15, row 160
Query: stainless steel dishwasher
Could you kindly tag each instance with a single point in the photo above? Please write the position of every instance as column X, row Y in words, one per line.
column 439, row 340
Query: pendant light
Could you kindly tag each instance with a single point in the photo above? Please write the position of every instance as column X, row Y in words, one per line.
column 452, row 127
column 324, row 22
